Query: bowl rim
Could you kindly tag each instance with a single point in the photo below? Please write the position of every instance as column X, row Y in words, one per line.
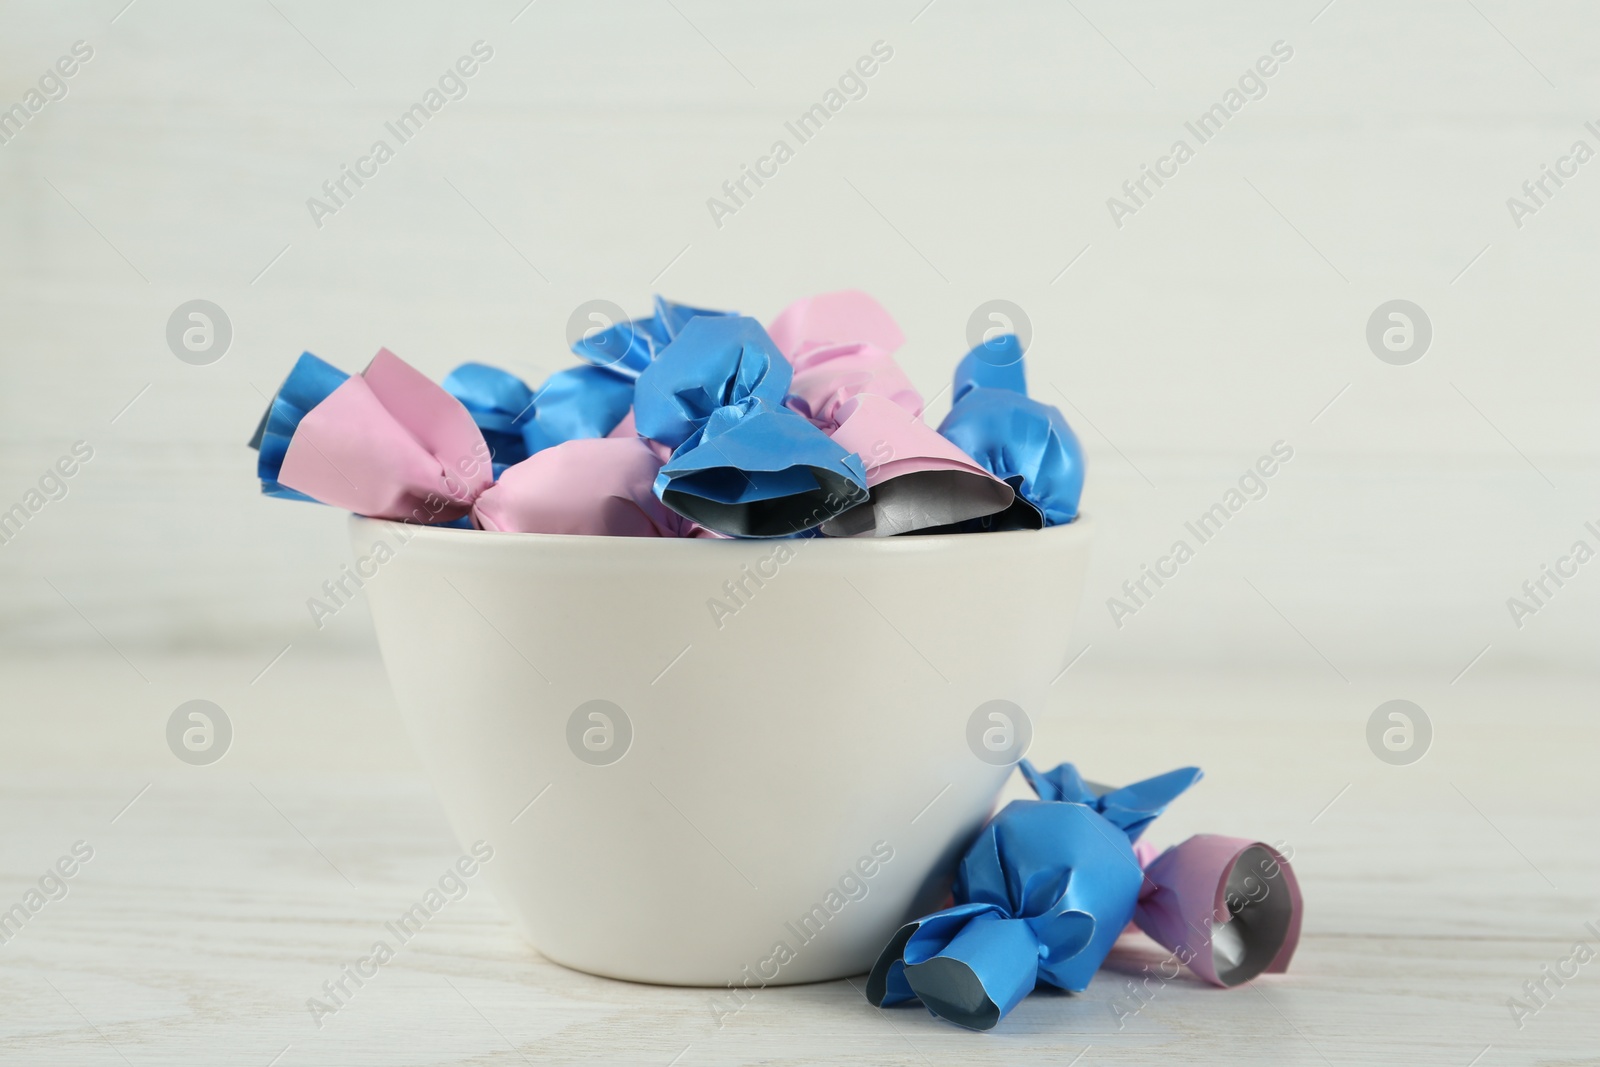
column 441, row 536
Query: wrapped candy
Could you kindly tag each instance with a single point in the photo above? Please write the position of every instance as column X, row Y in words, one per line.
column 1021, row 441
column 309, row 382
column 578, row 402
column 391, row 444
column 748, row 444
column 575, row 403
column 588, row 486
column 1131, row 808
column 670, row 318
column 1227, row 907
column 1040, row 897
column 918, row 480
column 846, row 317
column 1051, row 883
column 829, row 374
column 742, row 462
column 856, row 393
column 388, row 443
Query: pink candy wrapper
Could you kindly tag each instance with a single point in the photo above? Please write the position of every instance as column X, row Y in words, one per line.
column 1229, row 908
column 848, row 384
column 391, row 444
column 846, row 316
column 595, row 486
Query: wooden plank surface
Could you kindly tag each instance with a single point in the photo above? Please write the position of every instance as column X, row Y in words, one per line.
column 219, row 899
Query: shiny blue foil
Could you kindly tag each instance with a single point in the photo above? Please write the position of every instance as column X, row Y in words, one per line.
column 308, row 384
column 1040, row 897
column 743, row 464
column 1131, row 808
column 1021, row 441
column 584, row 401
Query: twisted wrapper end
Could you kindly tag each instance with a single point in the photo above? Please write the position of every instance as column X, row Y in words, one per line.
column 391, row 444
column 1132, row 808
column 1229, row 908
column 742, row 463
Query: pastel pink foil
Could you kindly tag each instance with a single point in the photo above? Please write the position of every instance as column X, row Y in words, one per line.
column 391, row 444
column 1184, row 891
column 893, row 443
column 846, row 316
column 626, row 428
column 599, row 486
column 857, row 394
column 828, row 373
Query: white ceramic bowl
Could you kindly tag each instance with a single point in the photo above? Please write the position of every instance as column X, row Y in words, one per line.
column 803, row 768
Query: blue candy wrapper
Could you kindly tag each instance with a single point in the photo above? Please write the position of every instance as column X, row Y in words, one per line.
column 1131, row 808
column 671, row 318
column 499, row 402
column 309, row 382
column 743, row 464
column 993, row 364
column 516, row 422
column 578, row 402
column 631, row 346
column 1041, row 896
column 1025, row 443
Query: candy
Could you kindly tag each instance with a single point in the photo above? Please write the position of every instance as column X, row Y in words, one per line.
column 391, row 444
column 1131, row 809
column 308, row 384
column 1229, row 908
column 848, row 316
column 746, row 443
column 918, row 480
column 1050, row 884
column 1021, row 441
column 579, row 402
column 595, row 486
column 742, row 462
column 1040, row 897
column 855, row 392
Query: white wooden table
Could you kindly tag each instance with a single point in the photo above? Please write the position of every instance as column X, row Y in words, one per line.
column 221, row 898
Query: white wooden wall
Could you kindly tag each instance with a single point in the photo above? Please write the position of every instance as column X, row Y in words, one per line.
column 1225, row 315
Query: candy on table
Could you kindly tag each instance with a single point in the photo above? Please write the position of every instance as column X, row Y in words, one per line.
column 1040, row 897
column 1131, row 808
column 1050, row 884
column 1227, row 907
